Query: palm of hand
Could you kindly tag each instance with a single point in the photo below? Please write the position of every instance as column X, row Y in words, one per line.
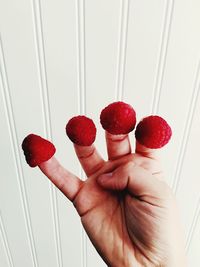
column 116, row 222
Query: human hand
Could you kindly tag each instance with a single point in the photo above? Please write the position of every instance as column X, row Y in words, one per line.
column 126, row 208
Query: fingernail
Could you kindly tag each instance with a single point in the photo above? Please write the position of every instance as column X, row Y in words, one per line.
column 103, row 177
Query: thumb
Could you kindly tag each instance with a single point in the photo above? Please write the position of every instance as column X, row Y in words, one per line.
column 137, row 180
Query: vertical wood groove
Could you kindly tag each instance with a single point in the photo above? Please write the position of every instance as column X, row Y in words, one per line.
column 16, row 153
column 162, row 56
column 122, row 47
column 81, row 77
column 41, row 61
column 5, row 243
column 80, row 10
column 186, row 130
column 193, row 226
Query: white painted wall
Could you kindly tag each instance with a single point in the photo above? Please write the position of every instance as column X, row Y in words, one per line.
column 60, row 58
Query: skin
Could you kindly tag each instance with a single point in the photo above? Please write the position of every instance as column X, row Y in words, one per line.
column 126, row 208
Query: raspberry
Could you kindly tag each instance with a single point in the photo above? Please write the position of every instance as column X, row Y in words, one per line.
column 153, row 132
column 81, row 130
column 37, row 149
column 118, row 118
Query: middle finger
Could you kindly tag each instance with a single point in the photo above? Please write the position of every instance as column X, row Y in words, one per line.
column 117, row 145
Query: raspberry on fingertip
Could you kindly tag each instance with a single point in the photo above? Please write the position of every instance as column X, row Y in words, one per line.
column 81, row 130
column 153, row 132
column 37, row 149
column 118, row 118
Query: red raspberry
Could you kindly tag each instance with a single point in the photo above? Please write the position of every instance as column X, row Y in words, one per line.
column 37, row 149
column 81, row 130
column 118, row 118
column 153, row 132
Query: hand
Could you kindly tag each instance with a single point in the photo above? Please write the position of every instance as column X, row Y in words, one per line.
column 126, row 208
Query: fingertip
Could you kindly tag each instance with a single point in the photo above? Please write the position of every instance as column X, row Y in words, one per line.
column 118, row 118
column 81, row 130
column 37, row 149
column 153, row 132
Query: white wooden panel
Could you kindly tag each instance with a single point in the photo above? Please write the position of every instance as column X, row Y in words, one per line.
column 5, row 255
column 145, row 29
column 28, row 117
column 102, row 33
column 193, row 252
column 3, row 258
column 61, row 50
column 179, row 73
column 12, row 216
column 189, row 186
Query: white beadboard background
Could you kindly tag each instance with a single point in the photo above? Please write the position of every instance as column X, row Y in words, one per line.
column 60, row 58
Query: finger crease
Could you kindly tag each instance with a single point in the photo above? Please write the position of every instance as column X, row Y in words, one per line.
column 146, row 155
column 96, row 168
column 88, row 155
column 119, row 156
column 73, row 199
column 117, row 139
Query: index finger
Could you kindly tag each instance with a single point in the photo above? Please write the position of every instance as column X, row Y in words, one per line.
column 67, row 182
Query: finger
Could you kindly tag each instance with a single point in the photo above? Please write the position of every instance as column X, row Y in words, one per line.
column 153, row 157
column 138, row 181
column 64, row 180
column 90, row 159
column 117, row 145
column 147, row 152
